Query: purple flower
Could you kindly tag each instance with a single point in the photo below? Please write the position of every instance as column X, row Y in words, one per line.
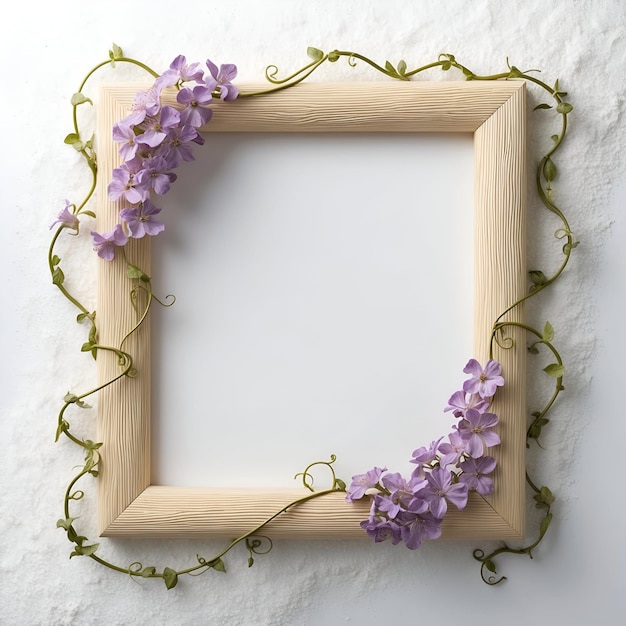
column 223, row 78
column 424, row 455
column 147, row 103
column 66, row 218
column 475, row 474
column 362, row 482
column 156, row 128
column 460, row 401
column 124, row 134
column 123, row 185
column 402, row 495
column 180, row 71
column 196, row 100
column 452, row 451
column 154, row 176
column 380, row 528
column 484, row 382
column 475, row 428
column 105, row 244
column 442, row 490
column 177, row 147
column 140, row 220
column 415, row 527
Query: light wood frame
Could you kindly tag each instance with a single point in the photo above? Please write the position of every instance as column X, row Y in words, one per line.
column 494, row 112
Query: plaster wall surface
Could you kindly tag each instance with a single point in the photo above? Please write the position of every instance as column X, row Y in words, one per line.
column 577, row 575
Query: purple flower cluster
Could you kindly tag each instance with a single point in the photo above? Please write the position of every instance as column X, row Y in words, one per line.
column 154, row 140
column 412, row 510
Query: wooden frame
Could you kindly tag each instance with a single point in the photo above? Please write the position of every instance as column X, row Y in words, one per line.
column 494, row 112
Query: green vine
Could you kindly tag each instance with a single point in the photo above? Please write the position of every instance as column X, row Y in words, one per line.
column 254, row 541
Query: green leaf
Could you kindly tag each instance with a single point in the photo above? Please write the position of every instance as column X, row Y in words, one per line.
column 402, row 67
column 58, row 276
column 543, row 105
column 81, row 550
column 546, row 495
column 137, row 272
column 446, row 65
column 534, row 432
column 66, row 523
column 79, row 98
column 545, row 523
column 62, row 427
column 170, row 577
column 314, row 53
column 490, row 565
column 390, row 68
column 70, row 398
column 548, row 332
column 533, row 349
column 339, row 484
column 333, row 56
column 146, row 572
column 115, row 52
column 90, row 213
column 87, row 347
column 250, row 561
column 555, row 370
column 72, row 138
column 538, row 277
column 55, row 260
column 549, row 170
column 75, row 141
column 218, row 565
column 564, row 108
column 89, row 550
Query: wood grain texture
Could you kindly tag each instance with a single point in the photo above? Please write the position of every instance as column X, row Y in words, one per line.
column 495, row 113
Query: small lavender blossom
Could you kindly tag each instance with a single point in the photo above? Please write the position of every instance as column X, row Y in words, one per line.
column 156, row 128
column 196, row 101
column 475, row 428
column 140, row 220
column 154, row 177
column 415, row 527
column 146, row 103
column 362, row 482
column 442, row 490
column 452, row 452
column 105, row 244
column 485, row 381
column 460, row 401
column 423, row 456
column 380, row 528
column 223, row 78
column 66, row 218
column 402, row 495
column 475, row 474
column 181, row 71
column 123, row 185
column 124, row 134
column 177, row 146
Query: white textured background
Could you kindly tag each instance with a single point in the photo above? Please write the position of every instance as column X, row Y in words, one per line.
column 578, row 573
